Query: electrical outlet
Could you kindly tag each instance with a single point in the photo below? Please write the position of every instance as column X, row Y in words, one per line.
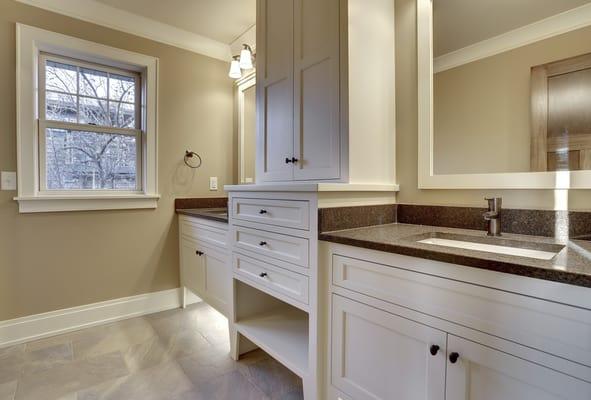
column 213, row 183
column 7, row 180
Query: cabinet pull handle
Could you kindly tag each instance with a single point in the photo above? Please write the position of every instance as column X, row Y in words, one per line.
column 288, row 160
column 294, row 160
column 434, row 349
column 262, row 211
column 263, row 274
column 199, row 253
column 453, row 357
column 262, row 243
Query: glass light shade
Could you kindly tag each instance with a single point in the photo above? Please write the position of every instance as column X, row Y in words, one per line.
column 246, row 58
column 235, row 72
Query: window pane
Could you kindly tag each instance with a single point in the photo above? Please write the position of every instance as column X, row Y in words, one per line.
column 93, row 111
column 60, row 107
column 60, row 77
column 122, row 115
column 122, row 88
column 90, row 160
column 93, row 83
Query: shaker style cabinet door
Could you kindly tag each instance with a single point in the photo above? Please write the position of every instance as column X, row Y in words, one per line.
column 317, row 83
column 477, row 372
column 217, row 279
column 378, row 355
column 275, row 115
column 191, row 267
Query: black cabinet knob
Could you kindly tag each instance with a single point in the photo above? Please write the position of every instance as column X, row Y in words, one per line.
column 453, row 357
column 262, row 211
column 263, row 274
column 434, row 349
column 287, row 160
column 294, row 160
column 262, row 243
column 199, row 253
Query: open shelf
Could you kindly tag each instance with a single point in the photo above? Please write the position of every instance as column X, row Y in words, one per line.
column 283, row 334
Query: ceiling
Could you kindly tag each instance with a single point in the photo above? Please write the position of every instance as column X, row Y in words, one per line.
column 220, row 20
column 460, row 23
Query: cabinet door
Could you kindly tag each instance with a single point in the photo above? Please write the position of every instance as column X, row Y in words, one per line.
column 317, row 81
column 192, row 271
column 482, row 373
column 274, row 90
column 378, row 355
column 217, row 279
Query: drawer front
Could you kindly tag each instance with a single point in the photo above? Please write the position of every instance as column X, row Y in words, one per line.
column 285, row 213
column 204, row 232
column 275, row 245
column 554, row 328
column 281, row 280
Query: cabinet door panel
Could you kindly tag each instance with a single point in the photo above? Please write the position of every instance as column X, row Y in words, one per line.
column 191, row 267
column 482, row 373
column 217, row 279
column 317, row 82
column 377, row 355
column 274, row 90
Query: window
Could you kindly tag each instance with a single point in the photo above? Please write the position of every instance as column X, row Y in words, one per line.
column 89, row 126
column 86, row 126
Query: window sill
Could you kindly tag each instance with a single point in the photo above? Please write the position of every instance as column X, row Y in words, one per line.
column 39, row 204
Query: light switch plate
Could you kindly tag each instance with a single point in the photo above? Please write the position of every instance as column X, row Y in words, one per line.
column 213, row 183
column 7, row 180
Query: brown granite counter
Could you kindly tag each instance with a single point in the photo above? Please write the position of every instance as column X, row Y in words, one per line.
column 572, row 264
column 213, row 214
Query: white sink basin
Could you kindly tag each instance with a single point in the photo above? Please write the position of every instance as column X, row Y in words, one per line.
column 491, row 248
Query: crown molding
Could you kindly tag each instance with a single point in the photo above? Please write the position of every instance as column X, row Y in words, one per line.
column 121, row 20
column 567, row 21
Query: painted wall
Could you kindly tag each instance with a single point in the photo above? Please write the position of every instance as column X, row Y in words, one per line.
column 58, row 260
column 407, row 134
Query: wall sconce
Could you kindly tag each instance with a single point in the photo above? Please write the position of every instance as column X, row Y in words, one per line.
column 246, row 57
column 235, row 72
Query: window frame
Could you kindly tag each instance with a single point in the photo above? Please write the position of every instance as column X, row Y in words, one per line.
column 34, row 46
column 44, row 123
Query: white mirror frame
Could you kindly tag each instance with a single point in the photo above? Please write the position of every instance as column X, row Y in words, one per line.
column 427, row 179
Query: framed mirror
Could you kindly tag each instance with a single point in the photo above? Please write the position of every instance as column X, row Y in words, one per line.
column 504, row 92
column 246, row 94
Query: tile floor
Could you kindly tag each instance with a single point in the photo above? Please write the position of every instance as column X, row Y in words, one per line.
column 172, row 355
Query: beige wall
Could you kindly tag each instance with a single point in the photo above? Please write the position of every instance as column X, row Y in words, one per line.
column 58, row 260
column 406, row 131
column 484, row 106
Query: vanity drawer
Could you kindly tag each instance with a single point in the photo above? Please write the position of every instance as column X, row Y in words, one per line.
column 204, row 231
column 554, row 328
column 275, row 245
column 285, row 213
column 278, row 279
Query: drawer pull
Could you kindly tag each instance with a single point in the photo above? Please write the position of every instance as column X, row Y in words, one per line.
column 199, row 253
column 453, row 357
column 434, row 349
column 263, row 274
column 262, row 243
column 262, row 211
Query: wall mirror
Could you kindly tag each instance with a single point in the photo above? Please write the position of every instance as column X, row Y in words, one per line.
column 504, row 94
column 246, row 110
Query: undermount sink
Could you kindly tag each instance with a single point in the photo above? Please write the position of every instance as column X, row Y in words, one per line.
column 540, row 251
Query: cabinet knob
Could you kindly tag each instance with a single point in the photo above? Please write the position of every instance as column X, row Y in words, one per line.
column 199, row 253
column 434, row 349
column 453, row 357
column 263, row 274
column 262, row 211
column 294, row 160
column 287, row 160
column 262, row 243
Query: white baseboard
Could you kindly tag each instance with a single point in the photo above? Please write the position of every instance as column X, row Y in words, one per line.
column 33, row 327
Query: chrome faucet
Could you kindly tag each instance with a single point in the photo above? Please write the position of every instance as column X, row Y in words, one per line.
column 493, row 216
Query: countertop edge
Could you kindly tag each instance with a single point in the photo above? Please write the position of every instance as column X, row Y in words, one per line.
column 202, row 214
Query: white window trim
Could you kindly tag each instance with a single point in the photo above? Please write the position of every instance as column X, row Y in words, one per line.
column 31, row 42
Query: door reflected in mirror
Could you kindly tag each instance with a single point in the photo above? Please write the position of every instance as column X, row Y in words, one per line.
column 506, row 97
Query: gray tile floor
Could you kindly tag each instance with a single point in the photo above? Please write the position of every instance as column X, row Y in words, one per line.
column 172, row 355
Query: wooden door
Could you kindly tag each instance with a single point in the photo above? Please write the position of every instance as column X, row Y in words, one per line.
column 192, row 272
column 483, row 373
column 317, row 97
column 217, row 279
column 378, row 355
column 274, row 90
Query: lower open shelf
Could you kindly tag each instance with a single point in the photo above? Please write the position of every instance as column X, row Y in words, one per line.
column 282, row 333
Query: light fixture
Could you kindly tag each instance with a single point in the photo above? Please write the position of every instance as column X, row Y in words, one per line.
column 246, row 57
column 235, row 72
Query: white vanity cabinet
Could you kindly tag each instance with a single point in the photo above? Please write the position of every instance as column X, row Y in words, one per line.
column 322, row 112
column 205, row 261
column 405, row 327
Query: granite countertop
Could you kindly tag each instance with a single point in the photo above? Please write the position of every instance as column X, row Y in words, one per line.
column 214, row 214
column 572, row 264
